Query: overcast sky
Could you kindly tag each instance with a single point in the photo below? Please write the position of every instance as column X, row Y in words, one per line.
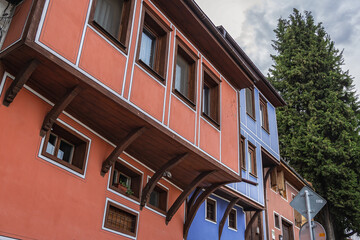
column 251, row 24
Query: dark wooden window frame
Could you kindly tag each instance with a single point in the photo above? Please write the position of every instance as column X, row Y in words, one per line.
column 242, row 153
column 214, row 210
column 277, row 223
column 80, row 150
column 213, row 83
column 252, row 148
column 251, row 89
column 108, row 226
column 264, row 116
column 136, row 180
column 235, row 220
column 122, row 41
column 290, row 225
column 191, row 57
column 154, row 25
column 164, row 194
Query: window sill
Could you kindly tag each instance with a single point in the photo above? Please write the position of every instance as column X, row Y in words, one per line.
column 157, row 209
column 152, row 72
column 252, row 117
column 120, row 192
column 187, row 101
column 63, row 163
column 243, row 168
column 266, row 130
column 232, row 229
column 109, row 37
column 210, row 220
column 254, row 175
column 212, row 121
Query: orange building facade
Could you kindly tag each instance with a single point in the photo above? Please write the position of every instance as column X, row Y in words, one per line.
column 106, row 128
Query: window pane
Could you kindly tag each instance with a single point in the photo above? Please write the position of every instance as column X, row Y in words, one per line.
column 121, row 220
column 206, row 100
column 182, row 76
column 50, row 148
column 154, row 198
column 249, row 160
column 108, row 15
column 124, row 179
column 147, row 49
column 249, row 102
column 65, row 151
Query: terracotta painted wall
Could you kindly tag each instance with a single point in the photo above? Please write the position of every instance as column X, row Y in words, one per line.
column 40, row 200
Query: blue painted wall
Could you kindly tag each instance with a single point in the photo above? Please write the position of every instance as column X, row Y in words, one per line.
column 202, row 229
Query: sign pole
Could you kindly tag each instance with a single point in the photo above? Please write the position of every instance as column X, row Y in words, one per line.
column 308, row 209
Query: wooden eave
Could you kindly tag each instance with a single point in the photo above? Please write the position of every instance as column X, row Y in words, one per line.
column 206, row 40
column 292, row 177
column 267, row 159
column 113, row 118
column 245, row 202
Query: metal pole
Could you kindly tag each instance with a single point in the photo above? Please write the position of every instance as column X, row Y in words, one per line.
column 308, row 209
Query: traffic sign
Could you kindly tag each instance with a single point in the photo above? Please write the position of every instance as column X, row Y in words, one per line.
column 318, row 230
column 315, row 200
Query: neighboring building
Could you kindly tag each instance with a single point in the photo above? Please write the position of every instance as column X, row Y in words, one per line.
column 126, row 120
column 283, row 185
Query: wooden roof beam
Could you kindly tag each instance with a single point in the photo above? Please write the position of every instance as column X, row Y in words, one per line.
column 192, row 199
column 176, row 205
column 123, row 144
column 54, row 113
column 157, row 176
column 193, row 209
column 21, row 78
column 226, row 214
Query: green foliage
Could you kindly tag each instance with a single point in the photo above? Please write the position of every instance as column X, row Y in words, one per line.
column 318, row 129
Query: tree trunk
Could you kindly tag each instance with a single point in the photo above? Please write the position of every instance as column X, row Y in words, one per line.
column 327, row 223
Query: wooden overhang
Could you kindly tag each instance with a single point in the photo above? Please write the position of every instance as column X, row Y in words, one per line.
column 107, row 114
column 267, row 159
column 292, row 176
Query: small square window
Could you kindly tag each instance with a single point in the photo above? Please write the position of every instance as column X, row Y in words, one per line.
column 242, row 153
column 185, row 74
column 232, row 219
column 152, row 53
column 250, row 102
column 211, row 97
column 125, row 180
column 264, row 114
column 252, row 159
column 66, row 147
column 158, row 199
column 120, row 219
column 211, row 210
column 113, row 18
column 277, row 220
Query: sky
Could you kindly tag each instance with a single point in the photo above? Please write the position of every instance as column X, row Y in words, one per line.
column 251, row 24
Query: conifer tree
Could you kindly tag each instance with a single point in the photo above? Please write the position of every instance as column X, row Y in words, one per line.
column 318, row 129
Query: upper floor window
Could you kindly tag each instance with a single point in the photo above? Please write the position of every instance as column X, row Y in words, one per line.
column 210, row 210
column 211, row 97
column 276, row 220
column 232, row 219
column 152, row 53
column 66, row 147
column 158, row 198
column 113, row 18
column 120, row 219
column 250, row 102
column 264, row 114
column 185, row 74
column 242, row 153
column 252, row 159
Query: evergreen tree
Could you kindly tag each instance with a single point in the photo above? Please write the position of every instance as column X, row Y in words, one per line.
column 318, row 129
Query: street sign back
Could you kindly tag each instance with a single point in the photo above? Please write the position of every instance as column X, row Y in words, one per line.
column 316, row 202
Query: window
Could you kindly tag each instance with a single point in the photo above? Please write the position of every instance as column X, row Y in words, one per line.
column 184, row 76
column 211, row 97
column 210, row 210
column 113, row 18
column 252, row 159
column 277, row 220
column 264, row 115
column 281, row 183
column 158, row 199
column 242, row 153
column 152, row 53
column 120, row 219
column 66, row 147
column 250, row 102
column 273, row 179
column 299, row 219
column 125, row 180
column 232, row 219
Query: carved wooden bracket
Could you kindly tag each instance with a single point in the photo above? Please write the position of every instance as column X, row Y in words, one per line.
column 132, row 136
column 192, row 211
column 176, row 205
column 20, row 80
column 248, row 226
column 226, row 214
column 54, row 113
column 157, row 176
column 192, row 199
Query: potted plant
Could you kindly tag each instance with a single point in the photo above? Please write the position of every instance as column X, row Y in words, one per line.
column 125, row 188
